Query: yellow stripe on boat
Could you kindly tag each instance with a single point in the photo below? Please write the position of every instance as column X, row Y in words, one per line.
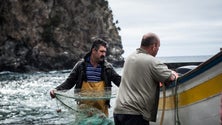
column 203, row 91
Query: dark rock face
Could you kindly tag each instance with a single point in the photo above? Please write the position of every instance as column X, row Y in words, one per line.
column 43, row 35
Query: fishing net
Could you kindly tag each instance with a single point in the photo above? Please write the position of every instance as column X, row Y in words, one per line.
column 85, row 114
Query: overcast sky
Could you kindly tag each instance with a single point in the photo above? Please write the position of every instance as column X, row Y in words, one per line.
column 185, row 27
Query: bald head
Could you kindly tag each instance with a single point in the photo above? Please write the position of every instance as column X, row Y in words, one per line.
column 151, row 43
column 149, row 39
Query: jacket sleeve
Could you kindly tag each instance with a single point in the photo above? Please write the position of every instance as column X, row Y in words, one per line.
column 71, row 80
column 115, row 77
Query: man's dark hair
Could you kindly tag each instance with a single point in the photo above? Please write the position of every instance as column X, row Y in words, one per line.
column 97, row 42
column 147, row 41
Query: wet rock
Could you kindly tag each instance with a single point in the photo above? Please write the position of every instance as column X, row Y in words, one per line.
column 53, row 34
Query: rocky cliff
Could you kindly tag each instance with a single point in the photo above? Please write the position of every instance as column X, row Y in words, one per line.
column 43, row 35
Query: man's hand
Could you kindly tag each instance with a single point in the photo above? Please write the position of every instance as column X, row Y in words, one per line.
column 174, row 76
column 52, row 93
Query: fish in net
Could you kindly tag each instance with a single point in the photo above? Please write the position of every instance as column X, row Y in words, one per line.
column 85, row 114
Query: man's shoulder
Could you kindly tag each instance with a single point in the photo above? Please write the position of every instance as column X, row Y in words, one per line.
column 107, row 64
column 81, row 62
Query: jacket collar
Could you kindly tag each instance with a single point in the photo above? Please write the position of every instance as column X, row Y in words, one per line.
column 87, row 58
column 141, row 50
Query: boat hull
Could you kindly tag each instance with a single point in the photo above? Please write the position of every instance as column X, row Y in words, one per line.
column 195, row 98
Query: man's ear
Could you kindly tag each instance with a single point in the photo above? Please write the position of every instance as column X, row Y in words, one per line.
column 153, row 47
column 155, row 44
column 94, row 50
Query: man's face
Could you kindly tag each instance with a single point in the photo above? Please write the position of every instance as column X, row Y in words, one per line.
column 99, row 54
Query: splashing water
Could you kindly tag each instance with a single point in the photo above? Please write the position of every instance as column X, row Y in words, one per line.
column 25, row 99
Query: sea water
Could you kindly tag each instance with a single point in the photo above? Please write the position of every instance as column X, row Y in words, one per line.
column 25, row 99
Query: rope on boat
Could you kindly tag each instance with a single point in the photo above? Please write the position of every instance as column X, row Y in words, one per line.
column 164, row 103
column 176, row 115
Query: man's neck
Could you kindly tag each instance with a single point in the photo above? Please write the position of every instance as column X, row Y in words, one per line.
column 148, row 50
column 93, row 62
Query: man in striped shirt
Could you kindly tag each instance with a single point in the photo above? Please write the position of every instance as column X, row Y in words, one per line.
column 92, row 72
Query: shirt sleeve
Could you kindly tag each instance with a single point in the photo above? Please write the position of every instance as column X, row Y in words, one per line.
column 160, row 71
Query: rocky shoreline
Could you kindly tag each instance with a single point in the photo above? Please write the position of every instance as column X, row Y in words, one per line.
column 53, row 34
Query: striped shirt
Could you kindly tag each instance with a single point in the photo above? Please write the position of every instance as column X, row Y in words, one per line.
column 93, row 73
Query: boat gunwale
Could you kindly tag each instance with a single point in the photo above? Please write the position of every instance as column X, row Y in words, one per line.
column 198, row 70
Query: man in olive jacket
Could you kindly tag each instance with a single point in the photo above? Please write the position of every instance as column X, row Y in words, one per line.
column 92, row 72
column 138, row 97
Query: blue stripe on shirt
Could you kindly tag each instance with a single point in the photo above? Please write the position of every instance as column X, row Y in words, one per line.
column 93, row 73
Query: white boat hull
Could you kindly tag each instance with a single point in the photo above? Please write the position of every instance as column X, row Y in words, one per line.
column 196, row 98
